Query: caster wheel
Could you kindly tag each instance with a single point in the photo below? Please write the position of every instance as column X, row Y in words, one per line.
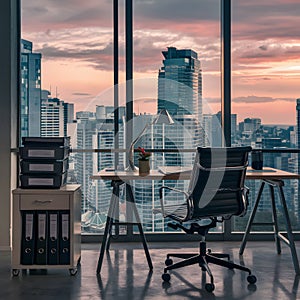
column 15, row 272
column 251, row 279
column 166, row 277
column 73, row 272
column 209, row 287
column 168, row 262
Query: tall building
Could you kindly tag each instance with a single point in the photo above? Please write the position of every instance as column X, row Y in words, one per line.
column 298, row 121
column 30, row 90
column 213, row 130
column 180, row 83
column 55, row 115
column 95, row 130
column 180, row 93
column 298, row 145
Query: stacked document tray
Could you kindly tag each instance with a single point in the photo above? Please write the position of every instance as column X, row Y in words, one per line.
column 44, row 162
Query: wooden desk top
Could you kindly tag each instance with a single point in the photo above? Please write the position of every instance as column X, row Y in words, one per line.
column 267, row 173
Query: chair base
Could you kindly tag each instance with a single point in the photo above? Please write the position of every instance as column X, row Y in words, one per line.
column 203, row 259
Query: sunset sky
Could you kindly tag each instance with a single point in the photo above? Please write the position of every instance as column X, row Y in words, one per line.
column 75, row 39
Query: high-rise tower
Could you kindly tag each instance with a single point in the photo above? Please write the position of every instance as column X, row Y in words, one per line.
column 30, row 90
column 180, row 83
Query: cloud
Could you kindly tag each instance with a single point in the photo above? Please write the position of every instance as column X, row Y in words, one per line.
column 81, row 94
column 257, row 99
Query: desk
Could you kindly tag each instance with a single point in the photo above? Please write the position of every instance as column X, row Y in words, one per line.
column 274, row 178
column 271, row 177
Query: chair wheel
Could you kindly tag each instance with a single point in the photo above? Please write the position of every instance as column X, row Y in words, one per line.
column 166, row 277
column 168, row 262
column 251, row 279
column 209, row 287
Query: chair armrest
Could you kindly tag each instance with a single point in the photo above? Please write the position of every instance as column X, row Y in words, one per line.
column 246, row 200
column 171, row 189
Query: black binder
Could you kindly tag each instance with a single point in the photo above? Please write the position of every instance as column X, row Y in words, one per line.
column 41, row 238
column 28, row 237
column 53, row 235
column 64, row 238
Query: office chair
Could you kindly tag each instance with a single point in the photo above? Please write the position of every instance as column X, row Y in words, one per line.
column 216, row 192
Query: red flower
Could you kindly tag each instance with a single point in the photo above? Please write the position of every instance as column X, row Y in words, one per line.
column 143, row 155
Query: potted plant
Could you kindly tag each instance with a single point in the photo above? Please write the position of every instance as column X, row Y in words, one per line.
column 144, row 161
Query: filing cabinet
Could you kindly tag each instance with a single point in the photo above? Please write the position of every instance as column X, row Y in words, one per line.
column 43, row 218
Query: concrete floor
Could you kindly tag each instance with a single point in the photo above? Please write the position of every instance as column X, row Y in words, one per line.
column 125, row 275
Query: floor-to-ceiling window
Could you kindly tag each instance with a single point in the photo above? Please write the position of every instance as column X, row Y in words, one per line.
column 67, row 64
column 67, row 60
column 176, row 66
column 265, row 76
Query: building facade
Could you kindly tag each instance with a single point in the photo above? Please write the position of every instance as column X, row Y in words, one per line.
column 30, row 90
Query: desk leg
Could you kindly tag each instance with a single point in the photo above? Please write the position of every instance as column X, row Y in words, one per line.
column 108, row 225
column 139, row 224
column 290, row 241
column 114, row 219
column 275, row 222
column 251, row 218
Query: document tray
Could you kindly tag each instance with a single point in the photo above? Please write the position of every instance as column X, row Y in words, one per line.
column 55, row 153
column 43, row 181
column 43, row 166
column 46, row 141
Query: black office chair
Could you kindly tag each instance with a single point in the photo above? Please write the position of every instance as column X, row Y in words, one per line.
column 216, row 193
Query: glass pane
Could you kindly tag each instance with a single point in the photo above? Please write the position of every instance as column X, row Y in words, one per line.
column 177, row 68
column 265, row 76
column 66, row 89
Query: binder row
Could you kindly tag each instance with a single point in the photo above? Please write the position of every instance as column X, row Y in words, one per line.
column 44, row 162
column 45, row 237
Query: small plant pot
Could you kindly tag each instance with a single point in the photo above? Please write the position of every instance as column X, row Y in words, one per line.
column 144, row 167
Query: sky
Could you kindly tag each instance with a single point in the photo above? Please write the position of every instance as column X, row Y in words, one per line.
column 75, row 40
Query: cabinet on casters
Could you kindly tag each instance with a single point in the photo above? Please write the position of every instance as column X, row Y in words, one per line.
column 46, row 229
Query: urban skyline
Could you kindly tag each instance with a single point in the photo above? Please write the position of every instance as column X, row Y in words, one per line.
column 180, row 91
column 75, row 39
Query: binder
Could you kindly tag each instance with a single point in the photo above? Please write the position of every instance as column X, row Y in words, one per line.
column 41, row 238
column 28, row 237
column 53, row 234
column 64, row 238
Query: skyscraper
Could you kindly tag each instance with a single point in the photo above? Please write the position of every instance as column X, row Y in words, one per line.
column 55, row 115
column 30, row 90
column 298, row 125
column 180, row 93
column 180, row 83
column 298, row 145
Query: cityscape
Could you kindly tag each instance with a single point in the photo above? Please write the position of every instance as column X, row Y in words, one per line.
column 179, row 86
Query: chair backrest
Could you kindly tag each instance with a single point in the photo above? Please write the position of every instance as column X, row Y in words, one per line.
column 217, row 182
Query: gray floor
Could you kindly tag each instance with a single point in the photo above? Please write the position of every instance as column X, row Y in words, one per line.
column 125, row 275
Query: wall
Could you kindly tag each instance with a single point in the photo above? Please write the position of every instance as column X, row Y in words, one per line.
column 9, row 36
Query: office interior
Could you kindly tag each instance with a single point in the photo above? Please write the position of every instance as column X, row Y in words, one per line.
column 124, row 273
